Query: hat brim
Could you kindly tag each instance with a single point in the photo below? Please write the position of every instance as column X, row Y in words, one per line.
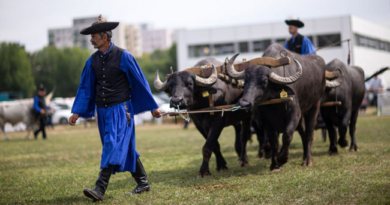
column 296, row 23
column 101, row 27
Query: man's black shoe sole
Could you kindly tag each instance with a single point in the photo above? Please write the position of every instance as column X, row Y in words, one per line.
column 92, row 195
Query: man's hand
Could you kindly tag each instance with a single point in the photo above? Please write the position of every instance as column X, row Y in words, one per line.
column 157, row 113
column 73, row 119
column 42, row 111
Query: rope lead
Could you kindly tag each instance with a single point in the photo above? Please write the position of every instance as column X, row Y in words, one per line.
column 236, row 108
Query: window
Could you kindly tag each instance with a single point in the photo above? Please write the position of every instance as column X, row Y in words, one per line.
column 325, row 40
column 199, row 50
column 221, row 49
column 281, row 41
column 259, row 46
column 368, row 42
column 243, row 47
column 383, row 46
column 311, row 38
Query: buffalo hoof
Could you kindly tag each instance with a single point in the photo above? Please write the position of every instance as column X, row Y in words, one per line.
column 333, row 151
column 282, row 158
column 264, row 154
column 200, row 175
column 353, row 148
column 343, row 142
column 308, row 163
column 275, row 168
column 243, row 164
column 221, row 168
column 261, row 154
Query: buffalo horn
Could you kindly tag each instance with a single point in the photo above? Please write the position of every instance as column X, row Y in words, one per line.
column 206, row 82
column 160, row 86
column 286, row 80
column 232, row 71
column 337, row 82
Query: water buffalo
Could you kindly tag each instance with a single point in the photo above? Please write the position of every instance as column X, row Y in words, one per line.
column 305, row 82
column 350, row 93
column 186, row 91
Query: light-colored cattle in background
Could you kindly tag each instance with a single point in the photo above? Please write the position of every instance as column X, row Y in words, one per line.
column 19, row 111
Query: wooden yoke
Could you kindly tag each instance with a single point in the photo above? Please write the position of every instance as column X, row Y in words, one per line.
column 205, row 72
column 332, row 74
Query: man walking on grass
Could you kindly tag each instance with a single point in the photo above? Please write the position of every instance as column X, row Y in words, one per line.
column 113, row 81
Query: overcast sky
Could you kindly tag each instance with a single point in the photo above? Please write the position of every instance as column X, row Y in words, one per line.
column 27, row 21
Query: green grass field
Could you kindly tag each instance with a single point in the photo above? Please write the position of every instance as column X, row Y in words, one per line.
column 56, row 171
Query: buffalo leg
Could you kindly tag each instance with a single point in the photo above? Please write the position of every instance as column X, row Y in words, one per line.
column 221, row 162
column 343, row 126
column 332, row 139
column 245, row 136
column 287, row 137
column 274, row 142
column 237, row 143
column 323, row 132
column 301, row 131
column 211, row 141
column 352, row 129
column 264, row 146
column 310, row 120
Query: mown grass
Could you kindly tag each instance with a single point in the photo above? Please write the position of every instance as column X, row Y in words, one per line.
column 56, row 171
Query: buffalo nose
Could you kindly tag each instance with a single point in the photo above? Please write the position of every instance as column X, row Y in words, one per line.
column 245, row 104
column 175, row 101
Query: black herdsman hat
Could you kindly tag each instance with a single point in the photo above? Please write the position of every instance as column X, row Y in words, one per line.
column 295, row 22
column 41, row 87
column 100, row 26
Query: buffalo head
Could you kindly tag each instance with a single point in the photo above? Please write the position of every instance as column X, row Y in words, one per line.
column 182, row 86
column 261, row 83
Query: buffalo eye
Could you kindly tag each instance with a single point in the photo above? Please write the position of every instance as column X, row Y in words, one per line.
column 189, row 84
column 264, row 82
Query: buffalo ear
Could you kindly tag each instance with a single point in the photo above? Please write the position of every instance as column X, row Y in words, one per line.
column 210, row 89
column 278, row 89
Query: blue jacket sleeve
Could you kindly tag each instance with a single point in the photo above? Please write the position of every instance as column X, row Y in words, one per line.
column 84, row 103
column 141, row 97
column 286, row 45
column 36, row 107
column 307, row 47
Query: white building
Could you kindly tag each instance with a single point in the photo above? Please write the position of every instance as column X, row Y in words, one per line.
column 69, row 37
column 137, row 39
column 134, row 40
column 156, row 39
column 370, row 42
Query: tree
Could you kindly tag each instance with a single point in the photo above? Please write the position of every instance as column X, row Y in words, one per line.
column 160, row 60
column 15, row 69
column 60, row 68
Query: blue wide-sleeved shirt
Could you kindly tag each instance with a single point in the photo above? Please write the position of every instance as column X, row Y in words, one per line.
column 116, row 132
column 141, row 96
column 307, row 46
column 36, row 106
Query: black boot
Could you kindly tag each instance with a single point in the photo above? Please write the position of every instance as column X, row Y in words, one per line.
column 140, row 177
column 36, row 134
column 97, row 193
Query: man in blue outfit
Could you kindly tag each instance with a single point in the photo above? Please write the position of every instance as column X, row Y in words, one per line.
column 40, row 108
column 113, row 82
column 298, row 43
